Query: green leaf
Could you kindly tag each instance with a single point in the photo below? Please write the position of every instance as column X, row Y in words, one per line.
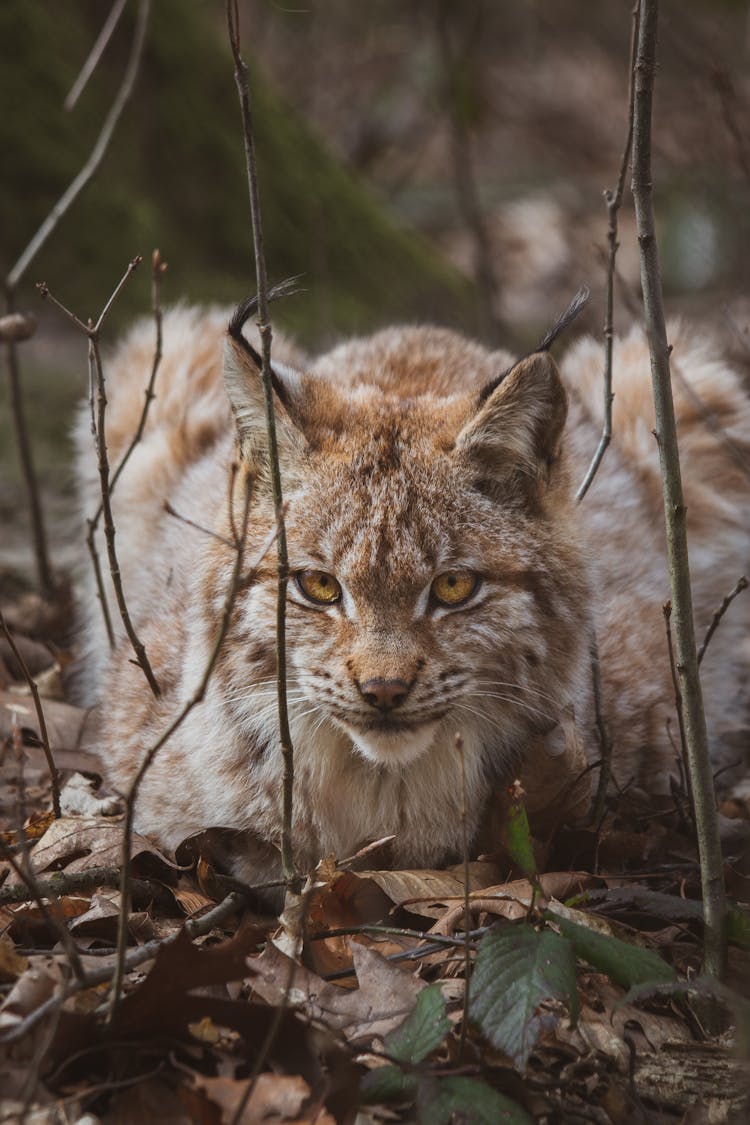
column 471, row 1101
column 518, row 837
column 516, row 969
column 387, row 1084
column 625, row 964
column 422, row 1031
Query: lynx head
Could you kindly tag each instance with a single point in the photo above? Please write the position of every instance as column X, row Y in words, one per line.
column 435, row 581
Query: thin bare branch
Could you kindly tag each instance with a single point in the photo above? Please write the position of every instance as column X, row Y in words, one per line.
column 135, row 957
column 667, row 611
column 95, row 54
column 73, row 882
column 613, row 200
column 97, row 153
column 264, row 328
column 44, row 570
column 92, row 331
column 47, row 295
column 699, row 761
column 459, row 742
column 196, row 526
column 56, row 923
column 741, row 585
column 43, row 735
column 25, row 871
column 104, row 477
column 275, row 1026
column 148, row 758
column 158, row 269
column 28, row 471
column 101, row 593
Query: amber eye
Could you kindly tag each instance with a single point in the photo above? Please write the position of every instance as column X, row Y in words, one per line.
column 454, row 587
column 318, row 586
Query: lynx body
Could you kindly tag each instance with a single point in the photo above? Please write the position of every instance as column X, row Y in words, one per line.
column 442, row 579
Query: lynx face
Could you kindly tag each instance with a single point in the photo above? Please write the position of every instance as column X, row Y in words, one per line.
column 425, row 593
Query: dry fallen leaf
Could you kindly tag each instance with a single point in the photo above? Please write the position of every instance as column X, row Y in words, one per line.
column 426, row 892
column 275, row 1098
column 64, row 722
column 77, row 843
column 31, row 989
column 11, row 963
column 512, row 900
column 384, row 998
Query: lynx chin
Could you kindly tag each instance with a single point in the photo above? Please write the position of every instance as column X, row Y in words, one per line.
column 442, row 578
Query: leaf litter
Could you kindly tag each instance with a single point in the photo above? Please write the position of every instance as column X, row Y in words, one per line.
column 584, row 1001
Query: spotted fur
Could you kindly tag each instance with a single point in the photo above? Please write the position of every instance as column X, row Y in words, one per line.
column 398, row 468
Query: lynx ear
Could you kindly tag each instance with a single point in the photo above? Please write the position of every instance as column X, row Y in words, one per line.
column 517, row 429
column 244, row 388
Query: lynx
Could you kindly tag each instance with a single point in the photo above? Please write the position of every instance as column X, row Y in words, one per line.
column 442, row 578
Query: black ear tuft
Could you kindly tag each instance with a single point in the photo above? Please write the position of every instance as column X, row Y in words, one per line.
column 576, row 306
column 239, row 319
column 246, row 308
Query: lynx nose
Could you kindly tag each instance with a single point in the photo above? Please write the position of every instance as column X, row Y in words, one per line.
column 386, row 695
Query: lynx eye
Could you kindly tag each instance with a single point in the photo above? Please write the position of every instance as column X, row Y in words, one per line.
column 454, row 587
column 319, row 587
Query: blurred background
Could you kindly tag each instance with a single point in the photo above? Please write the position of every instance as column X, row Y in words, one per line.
column 421, row 161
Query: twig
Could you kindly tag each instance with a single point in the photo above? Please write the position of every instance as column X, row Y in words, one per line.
column 467, row 906
column 266, row 1045
column 197, row 526
column 99, row 580
column 150, row 755
column 264, row 328
column 15, row 275
column 25, row 872
column 667, row 611
column 605, row 741
column 97, row 153
column 158, row 269
column 741, row 585
column 43, row 735
column 28, row 471
column 93, row 331
column 72, row 882
column 436, row 944
column 613, row 200
column 135, row 957
column 95, row 54
column 378, row 930
column 275, row 1026
column 709, row 847
column 104, row 478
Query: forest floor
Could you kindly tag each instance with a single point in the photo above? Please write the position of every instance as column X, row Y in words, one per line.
column 586, row 1000
column 556, row 979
